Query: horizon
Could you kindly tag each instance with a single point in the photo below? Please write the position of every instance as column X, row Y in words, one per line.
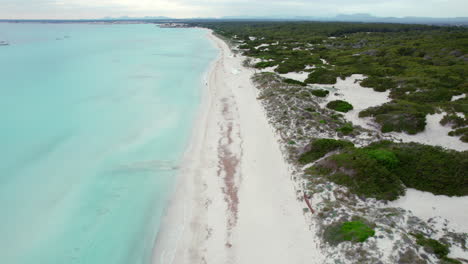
column 187, row 9
column 354, row 17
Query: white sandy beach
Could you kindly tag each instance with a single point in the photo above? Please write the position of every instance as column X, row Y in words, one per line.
column 235, row 201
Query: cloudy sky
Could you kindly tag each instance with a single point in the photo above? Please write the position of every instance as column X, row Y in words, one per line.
column 72, row 9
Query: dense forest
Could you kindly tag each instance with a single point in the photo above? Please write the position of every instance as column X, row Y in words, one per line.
column 424, row 67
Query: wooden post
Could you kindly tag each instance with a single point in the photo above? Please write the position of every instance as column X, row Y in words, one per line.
column 306, row 198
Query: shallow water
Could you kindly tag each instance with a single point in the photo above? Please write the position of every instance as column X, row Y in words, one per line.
column 94, row 120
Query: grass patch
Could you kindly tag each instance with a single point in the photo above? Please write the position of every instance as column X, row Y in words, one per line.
column 340, row 106
column 354, row 231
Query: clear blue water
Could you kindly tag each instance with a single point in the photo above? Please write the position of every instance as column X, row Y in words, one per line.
column 92, row 120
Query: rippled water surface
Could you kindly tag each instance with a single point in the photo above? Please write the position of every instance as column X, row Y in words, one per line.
column 93, row 122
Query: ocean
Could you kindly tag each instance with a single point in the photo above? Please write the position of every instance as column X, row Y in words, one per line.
column 94, row 120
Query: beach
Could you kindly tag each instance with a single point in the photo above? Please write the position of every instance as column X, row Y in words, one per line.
column 235, row 201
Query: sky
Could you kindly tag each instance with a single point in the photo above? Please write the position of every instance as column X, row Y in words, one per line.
column 89, row 9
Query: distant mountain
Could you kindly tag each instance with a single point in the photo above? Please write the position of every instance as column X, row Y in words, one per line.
column 137, row 18
column 412, row 20
column 403, row 20
column 362, row 18
column 459, row 21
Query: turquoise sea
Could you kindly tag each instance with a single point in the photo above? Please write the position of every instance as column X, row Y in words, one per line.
column 94, row 120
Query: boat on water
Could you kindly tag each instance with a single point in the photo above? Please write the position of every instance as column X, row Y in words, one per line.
column 4, row 43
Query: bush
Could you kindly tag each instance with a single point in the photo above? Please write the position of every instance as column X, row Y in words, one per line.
column 379, row 84
column 322, row 76
column 454, row 121
column 399, row 116
column 320, row 147
column 463, row 132
column 264, row 64
column 320, row 92
column 346, row 129
column 354, row 231
column 340, row 106
column 379, row 170
column 432, row 169
column 294, row 82
column 290, row 66
column 387, row 158
column 432, row 246
column 363, row 174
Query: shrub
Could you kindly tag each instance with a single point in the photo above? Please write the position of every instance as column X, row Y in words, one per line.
column 379, row 84
column 294, row 82
column 354, row 231
column 432, row 169
column 322, row 76
column 432, row 246
column 340, row 106
column 346, row 129
column 454, row 121
column 379, row 169
column 290, row 66
column 399, row 116
column 384, row 157
column 320, row 92
column 363, row 175
column 320, row 147
column 463, row 132
column 264, row 64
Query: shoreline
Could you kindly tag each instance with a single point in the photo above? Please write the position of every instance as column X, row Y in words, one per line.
column 234, row 200
column 176, row 210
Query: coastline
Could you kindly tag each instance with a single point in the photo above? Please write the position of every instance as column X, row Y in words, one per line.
column 234, row 200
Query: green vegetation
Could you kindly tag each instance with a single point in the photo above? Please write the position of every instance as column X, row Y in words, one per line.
column 385, row 157
column 264, row 64
column 323, row 76
column 454, row 121
column 320, row 147
column 364, row 175
column 294, row 82
column 346, row 129
column 340, row 106
column 320, row 92
column 422, row 66
column 380, row 84
column 383, row 168
column 463, row 132
column 437, row 248
column 354, row 231
column 399, row 116
column 431, row 169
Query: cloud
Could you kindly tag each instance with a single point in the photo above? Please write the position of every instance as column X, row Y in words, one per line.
column 218, row 8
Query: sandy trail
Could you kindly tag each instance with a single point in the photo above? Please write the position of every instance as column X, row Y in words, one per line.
column 235, row 201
